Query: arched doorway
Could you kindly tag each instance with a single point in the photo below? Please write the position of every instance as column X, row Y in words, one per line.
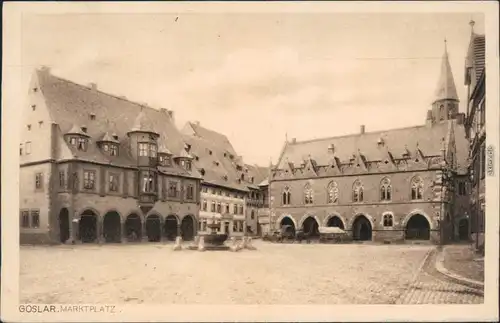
column 64, row 225
column 335, row 221
column 170, row 227
column 362, row 229
column 153, row 228
column 290, row 226
column 87, row 229
column 463, row 230
column 418, row 228
column 133, row 227
column 111, row 227
column 187, row 228
column 310, row 227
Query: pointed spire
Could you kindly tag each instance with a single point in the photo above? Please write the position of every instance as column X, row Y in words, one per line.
column 471, row 24
column 446, row 89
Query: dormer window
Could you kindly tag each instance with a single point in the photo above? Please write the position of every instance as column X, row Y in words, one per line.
column 186, row 164
column 92, row 116
column 82, row 144
column 113, row 150
column 84, row 129
column 164, row 159
column 105, row 147
column 72, row 141
column 210, row 152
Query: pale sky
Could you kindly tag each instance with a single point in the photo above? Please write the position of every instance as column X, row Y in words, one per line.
column 259, row 77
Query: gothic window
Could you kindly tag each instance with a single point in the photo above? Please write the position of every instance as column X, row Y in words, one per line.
column 388, row 220
column 113, row 182
column 333, row 193
column 385, row 190
column 38, row 181
column 148, row 182
column 286, row 196
column 308, row 194
column 88, row 179
column 62, row 179
column 417, row 188
column 357, row 192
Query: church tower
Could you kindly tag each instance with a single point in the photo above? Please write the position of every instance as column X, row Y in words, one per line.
column 445, row 103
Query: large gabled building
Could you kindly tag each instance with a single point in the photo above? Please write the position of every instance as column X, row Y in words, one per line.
column 475, row 78
column 97, row 167
column 392, row 185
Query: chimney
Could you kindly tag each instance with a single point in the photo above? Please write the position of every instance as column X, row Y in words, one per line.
column 92, row 86
column 362, row 129
column 293, row 141
column 461, row 118
column 197, row 123
column 170, row 114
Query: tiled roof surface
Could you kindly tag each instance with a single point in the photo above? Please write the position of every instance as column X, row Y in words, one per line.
column 213, row 136
column 397, row 141
column 218, row 168
column 72, row 104
column 446, row 88
column 476, row 57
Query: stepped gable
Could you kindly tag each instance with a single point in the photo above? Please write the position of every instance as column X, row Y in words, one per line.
column 396, row 141
column 216, row 167
column 70, row 103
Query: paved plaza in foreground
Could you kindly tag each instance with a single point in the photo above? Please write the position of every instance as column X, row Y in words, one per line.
column 272, row 274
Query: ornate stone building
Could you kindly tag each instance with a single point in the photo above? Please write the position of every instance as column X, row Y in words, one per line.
column 475, row 76
column 393, row 185
column 97, row 167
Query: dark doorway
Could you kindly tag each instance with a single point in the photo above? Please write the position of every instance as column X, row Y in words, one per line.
column 153, row 228
column 311, row 227
column 187, row 228
column 64, row 225
column 361, row 229
column 335, row 221
column 133, row 227
column 418, row 228
column 111, row 226
column 170, row 227
column 290, row 226
column 87, row 228
column 463, row 230
column 259, row 230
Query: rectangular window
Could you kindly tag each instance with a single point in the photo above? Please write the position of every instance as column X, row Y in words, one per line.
column 483, row 162
column 204, row 207
column 38, row 181
column 88, row 179
column 28, row 147
column 25, row 219
column 219, row 208
column 235, row 209
column 461, row 188
column 227, row 209
column 204, row 189
column 172, row 189
column 212, row 207
column 113, row 150
column 35, row 218
column 241, row 209
column 113, row 182
column 148, row 182
column 20, row 149
column 190, row 192
column 82, row 144
column 62, row 179
column 482, row 113
column 152, row 150
column 143, row 149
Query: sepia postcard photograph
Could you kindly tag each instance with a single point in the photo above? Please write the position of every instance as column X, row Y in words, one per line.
column 250, row 161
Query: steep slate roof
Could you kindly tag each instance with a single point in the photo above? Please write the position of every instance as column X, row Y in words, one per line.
column 212, row 136
column 216, row 166
column 71, row 104
column 446, row 88
column 258, row 173
column 476, row 57
column 429, row 139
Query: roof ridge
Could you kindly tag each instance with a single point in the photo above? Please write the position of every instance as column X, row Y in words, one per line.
column 355, row 134
column 115, row 96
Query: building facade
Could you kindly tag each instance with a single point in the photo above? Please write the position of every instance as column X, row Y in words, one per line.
column 386, row 186
column 98, row 168
column 475, row 76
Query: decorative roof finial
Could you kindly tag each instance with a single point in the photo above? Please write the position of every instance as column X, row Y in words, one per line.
column 286, row 136
column 445, row 45
column 471, row 24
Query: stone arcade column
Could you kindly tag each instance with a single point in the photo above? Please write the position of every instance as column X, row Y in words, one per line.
column 144, row 234
column 123, row 232
column 99, row 230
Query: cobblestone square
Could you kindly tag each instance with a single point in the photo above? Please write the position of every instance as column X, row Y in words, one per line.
column 272, row 274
